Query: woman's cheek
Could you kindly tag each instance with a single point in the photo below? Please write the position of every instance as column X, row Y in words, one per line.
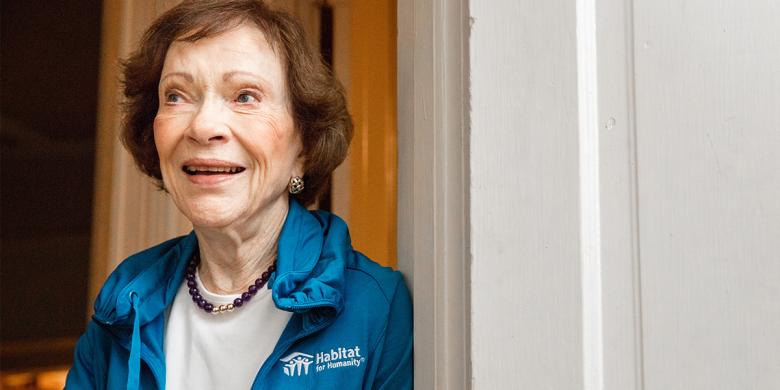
column 164, row 136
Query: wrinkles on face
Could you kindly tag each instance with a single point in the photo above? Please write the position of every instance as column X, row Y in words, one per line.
column 225, row 98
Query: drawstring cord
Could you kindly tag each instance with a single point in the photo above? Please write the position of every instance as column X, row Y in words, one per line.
column 134, row 362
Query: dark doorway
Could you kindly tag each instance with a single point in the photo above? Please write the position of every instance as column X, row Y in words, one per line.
column 48, row 94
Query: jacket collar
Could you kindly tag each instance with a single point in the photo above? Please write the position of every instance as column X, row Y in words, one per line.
column 314, row 249
column 152, row 277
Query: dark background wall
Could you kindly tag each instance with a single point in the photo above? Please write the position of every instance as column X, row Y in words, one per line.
column 48, row 93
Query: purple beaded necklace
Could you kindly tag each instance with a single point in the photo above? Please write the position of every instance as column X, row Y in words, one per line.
column 238, row 302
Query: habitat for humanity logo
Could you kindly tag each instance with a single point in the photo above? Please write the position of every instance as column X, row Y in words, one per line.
column 297, row 363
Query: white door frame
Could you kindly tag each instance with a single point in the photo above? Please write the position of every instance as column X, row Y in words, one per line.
column 433, row 253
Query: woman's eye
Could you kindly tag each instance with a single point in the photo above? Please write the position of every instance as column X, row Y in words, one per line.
column 172, row 98
column 245, row 98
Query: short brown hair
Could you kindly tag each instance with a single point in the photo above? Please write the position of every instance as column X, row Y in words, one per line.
column 317, row 99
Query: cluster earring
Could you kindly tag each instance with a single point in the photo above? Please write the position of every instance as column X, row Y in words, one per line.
column 296, row 185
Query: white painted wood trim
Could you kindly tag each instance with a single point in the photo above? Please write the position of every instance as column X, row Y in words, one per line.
column 590, row 214
column 620, row 261
column 433, row 186
column 526, row 274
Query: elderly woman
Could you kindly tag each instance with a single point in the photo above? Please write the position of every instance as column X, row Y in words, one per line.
column 232, row 115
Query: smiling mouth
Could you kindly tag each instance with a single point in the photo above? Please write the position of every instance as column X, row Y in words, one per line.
column 195, row 170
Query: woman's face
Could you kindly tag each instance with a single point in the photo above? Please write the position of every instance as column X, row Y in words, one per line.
column 224, row 132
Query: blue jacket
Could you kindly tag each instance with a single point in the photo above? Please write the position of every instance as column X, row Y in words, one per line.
column 351, row 326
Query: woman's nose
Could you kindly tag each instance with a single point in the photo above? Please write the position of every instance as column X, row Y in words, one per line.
column 209, row 126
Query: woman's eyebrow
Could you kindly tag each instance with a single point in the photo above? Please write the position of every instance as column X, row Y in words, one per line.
column 229, row 75
column 184, row 75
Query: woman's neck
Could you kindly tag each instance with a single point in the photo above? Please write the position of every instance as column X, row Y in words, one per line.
column 233, row 257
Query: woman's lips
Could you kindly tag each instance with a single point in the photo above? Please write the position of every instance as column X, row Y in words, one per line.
column 208, row 171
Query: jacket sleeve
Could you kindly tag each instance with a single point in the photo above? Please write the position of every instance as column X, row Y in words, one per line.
column 396, row 359
column 80, row 375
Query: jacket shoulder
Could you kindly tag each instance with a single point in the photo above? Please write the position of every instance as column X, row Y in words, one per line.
column 143, row 273
column 373, row 276
column 379, row 297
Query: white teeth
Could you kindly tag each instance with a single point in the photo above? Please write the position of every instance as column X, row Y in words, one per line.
column 194, row 169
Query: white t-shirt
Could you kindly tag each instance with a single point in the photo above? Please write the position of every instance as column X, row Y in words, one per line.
column 224, row 351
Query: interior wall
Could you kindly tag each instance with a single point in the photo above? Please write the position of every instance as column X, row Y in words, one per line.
column 707, row 91
column 342, row 29
column 372, row 103
column 624, row 183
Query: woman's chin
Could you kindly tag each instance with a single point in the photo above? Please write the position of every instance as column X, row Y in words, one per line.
column 213, row 216
column 225, row 210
